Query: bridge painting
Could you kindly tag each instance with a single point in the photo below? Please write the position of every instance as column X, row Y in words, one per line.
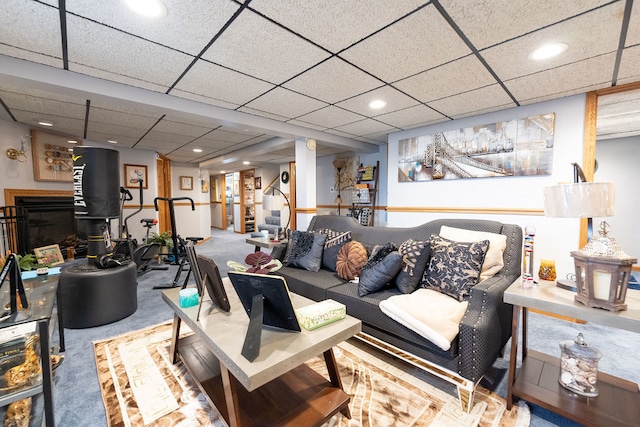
column 512, row 148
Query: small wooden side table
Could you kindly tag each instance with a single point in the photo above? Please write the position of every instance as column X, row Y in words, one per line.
column 618, row 403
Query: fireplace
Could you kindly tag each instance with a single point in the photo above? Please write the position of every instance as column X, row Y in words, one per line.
column 49, row 218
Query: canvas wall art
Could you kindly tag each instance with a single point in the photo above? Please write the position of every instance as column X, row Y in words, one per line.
column 516, row 147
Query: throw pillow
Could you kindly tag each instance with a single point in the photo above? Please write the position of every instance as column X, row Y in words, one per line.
column 305, row 250
column 493, row 262
column 415, row 256
column 335, row 241
column 351, row 258
column 374, row 276
column 454, row 267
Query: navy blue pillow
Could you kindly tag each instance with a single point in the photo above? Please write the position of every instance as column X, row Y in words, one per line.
column 374, row 277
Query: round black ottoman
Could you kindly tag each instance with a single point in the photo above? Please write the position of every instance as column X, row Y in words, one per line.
column 90, row 296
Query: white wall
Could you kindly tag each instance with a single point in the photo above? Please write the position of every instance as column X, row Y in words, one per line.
column 190, row 223
column 555, row 238
column 617, row 162
column 325, row 181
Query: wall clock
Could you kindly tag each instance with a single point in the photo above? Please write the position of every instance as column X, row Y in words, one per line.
column 285, row 177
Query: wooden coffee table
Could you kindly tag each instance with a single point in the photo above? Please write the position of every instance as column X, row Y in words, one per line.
column 277, row 388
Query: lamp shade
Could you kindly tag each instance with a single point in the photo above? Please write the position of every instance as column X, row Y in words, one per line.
column 272, row 202
column 579, row 200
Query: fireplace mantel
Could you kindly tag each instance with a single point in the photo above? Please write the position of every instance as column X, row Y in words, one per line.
column 10, row 194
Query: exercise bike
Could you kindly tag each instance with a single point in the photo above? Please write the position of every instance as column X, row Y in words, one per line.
column 127, row 248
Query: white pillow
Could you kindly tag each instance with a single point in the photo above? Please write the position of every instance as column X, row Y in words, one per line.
column 493, row 261
column 429, row 313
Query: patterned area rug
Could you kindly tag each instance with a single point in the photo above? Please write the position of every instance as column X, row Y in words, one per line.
column 378, row 397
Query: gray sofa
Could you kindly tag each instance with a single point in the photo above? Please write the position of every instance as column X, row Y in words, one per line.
column 484, row 330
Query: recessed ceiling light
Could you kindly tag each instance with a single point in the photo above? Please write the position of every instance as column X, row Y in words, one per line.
column 112, row 141
column 71, row 141
column 197, row 150
column 548, row 51
column 45, row 123
column 377, row 104
column 223, row 171
column 245, row 162
column 155, row 9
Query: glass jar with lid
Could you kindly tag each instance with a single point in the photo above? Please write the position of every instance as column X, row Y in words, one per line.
column 579, row 367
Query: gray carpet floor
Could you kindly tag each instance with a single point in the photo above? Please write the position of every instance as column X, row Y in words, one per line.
column 78, row 401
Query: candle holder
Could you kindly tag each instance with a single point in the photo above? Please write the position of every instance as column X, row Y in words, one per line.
column 602, row 272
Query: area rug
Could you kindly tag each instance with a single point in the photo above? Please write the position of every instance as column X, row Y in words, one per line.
column 141, row 387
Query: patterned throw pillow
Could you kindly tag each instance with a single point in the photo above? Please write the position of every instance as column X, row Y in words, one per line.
column 335, row 241
column 415, row 256
column 374, row 276
column 304, row 250
column 454, row 267
column 350, row 260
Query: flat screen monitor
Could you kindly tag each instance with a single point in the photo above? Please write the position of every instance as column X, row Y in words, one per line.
column 278, row 309
column 210, row 279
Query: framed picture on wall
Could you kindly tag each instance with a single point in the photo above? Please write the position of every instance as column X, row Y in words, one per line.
column 134, row 173
column 186, row 183
column 50, row 255
column 258, row 183
column 52, row 160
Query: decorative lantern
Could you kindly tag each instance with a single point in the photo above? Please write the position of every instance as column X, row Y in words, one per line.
column 602, row 272
column 579, row 367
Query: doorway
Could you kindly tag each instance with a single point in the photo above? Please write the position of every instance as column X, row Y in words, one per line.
column 228, row 202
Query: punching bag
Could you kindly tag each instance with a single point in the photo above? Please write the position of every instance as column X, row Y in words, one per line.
column 96, row 193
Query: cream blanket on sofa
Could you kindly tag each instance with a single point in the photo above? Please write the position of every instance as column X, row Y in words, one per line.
column 429, row 313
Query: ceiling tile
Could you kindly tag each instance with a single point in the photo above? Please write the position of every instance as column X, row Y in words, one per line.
column 286, row 103
column 337, row 25
column 420, row 41
column 333, row 81
column 629, row 65
column 262, row 49
column 329, row 117
column 633, row 32
column 411, row 117
column 123, row 118
column 189, row 26
column 395, row 100
column 61, row 124
column 100, row 51
column 228, row 136
column 475, row 100
column 45, row 103
column 461, row 75
column 510, row 60
column 498, row 22
column 563, row 81
column 215, row 82
column 113, row 133
column 21, row 39
column 365, row 127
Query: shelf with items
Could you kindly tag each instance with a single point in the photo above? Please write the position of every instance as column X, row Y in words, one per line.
column 363, row 196
column 25, row 350
column 247, row 201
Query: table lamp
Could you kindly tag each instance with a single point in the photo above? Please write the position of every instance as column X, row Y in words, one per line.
column 602, row 269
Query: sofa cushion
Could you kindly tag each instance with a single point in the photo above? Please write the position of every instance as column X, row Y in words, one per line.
column 335, row 241
column 493, row 261
column 433, row 315
column 454, row 267
column 351, row 258
column 415, row 256
column 304, row 250
column 374, row 276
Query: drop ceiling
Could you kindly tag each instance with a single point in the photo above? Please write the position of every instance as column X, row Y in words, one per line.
column 241, row 80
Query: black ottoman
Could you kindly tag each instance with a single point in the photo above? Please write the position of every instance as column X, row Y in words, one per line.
column 92, row 297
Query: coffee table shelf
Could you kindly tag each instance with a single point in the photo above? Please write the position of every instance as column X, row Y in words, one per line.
column 618, row 402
